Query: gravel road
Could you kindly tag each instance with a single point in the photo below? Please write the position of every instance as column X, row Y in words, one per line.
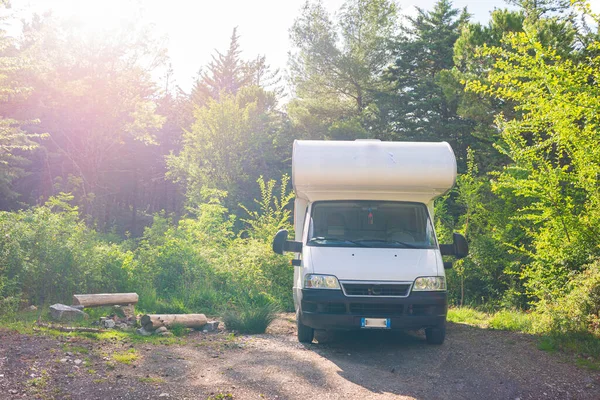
column 472, row 364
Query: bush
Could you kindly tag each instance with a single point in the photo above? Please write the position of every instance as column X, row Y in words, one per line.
column 250, row 318
column 578, row 311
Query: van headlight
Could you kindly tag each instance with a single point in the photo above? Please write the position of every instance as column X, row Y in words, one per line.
column 313, row 281
column 429, row 283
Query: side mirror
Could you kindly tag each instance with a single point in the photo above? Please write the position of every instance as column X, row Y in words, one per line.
column 281, row 244
column 459, row 248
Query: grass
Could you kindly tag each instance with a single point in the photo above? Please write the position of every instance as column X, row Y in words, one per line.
column 250, row 319
column 151, row 379
column 125, row 357
column 469, row 316
column 507, row 320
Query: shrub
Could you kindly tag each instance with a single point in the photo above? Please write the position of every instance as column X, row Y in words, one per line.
column 579, row 309
column 250, row 318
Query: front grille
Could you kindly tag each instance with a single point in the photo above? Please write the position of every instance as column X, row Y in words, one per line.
column 372, row 309
column 376, row 289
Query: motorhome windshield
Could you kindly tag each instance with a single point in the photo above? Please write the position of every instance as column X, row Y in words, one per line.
column 381, row 224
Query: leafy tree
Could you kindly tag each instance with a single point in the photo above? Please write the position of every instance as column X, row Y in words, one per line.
column 15, row 142
column 97, row 103
column 226, row 145
column 552, row 144
column 336, row 66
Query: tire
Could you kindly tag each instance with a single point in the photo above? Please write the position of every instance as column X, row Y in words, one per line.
column 436, row 335
column 305, row 334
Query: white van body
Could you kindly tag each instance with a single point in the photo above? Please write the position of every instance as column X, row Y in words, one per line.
column 362, row 186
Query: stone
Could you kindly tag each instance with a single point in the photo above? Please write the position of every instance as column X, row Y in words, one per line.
column 211, row 326
column 129, row 311
column 78, row 307
column 77, row 362
column 60, row 312
column 160, row 329
column 143, row 332
column 164, row 395
column 33, row 308
column 167, row 333
column 123, row 326
column 108, row 323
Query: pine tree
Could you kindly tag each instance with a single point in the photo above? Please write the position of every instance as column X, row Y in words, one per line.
column 227, row 73
column 417, row 107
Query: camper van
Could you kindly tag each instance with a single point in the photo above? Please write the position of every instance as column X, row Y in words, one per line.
column 366, row 253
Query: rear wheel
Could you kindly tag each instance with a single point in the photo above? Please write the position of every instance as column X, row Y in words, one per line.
column 436, row 335
column 305, row 333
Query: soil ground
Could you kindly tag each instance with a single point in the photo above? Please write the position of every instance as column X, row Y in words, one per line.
column 473, row 363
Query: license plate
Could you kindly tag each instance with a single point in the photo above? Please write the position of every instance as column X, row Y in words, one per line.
column 377, row 323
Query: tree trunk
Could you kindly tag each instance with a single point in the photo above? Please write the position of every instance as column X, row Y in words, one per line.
column 105, row 299
column 152, row 321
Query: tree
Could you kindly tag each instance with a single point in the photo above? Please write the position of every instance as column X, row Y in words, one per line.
column 96, row 100
column 15, row 142
column 552, row 142
column 336, row 66
column 228, row 73
column 233, row 141
column 418, row 106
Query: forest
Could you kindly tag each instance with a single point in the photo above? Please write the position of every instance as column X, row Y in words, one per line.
column 114, row 180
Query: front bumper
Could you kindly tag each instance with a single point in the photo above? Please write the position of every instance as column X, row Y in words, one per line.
column 331, row 309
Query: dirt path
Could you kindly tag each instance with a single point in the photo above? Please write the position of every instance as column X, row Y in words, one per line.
column 472, row 364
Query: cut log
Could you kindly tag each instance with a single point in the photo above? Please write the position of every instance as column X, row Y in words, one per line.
column 104, row 299
column 152, row 321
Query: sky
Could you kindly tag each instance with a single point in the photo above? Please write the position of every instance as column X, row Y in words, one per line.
column 193, row 29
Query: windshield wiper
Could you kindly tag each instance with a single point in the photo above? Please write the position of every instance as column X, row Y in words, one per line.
column 408, row 245
column 333, row 239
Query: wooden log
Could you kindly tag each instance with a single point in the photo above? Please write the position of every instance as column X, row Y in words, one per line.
column 104, row 299
column 151, row 322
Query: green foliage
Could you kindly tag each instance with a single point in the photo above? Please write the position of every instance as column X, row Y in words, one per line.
column 507, row 320
column 227, row 144
column 178, row 330
column 336, row 66
column 250, row 318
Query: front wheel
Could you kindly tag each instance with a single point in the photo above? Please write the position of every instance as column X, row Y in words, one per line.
column 305, row 334
column 436, row 335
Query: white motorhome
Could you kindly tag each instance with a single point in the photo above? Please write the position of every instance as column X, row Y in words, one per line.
column 367, row 254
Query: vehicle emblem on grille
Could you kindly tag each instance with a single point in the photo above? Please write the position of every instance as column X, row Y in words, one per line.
column 374, row 291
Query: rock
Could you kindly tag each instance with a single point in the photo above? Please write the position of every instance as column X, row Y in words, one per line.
column 32, row 308
column 77, row 362
column 164, row 395
column 160, row 329
column 167, row 333
column 143, row 332
column 13, row 391
column 108, row 323
column 129, row 311
column 60, row 312
column 123, row 326
column 211, row 326
column 78, row 307
column 63, row 360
